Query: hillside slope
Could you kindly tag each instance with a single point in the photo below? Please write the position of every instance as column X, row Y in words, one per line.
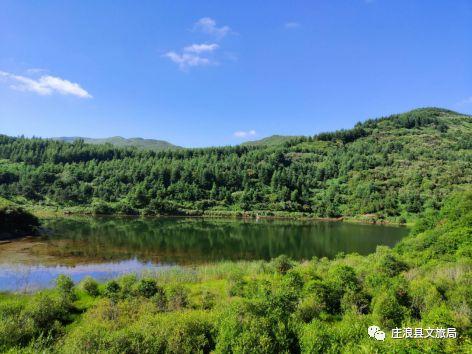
column 150, row 144
column 388, row 168
column 271, row 140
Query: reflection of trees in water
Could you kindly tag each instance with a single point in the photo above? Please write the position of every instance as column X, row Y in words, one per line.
column 198, row 240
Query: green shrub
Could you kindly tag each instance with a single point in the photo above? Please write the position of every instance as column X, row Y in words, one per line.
column 343, row 277
column 316, row 337
column 294, row 280
column 387, row 310
column 179, row 332
column 178, row 297
column 344, row 336
column 112, row 289
column 325, row 299
column 146, row 288
column 191, row 333
column 15, row 327
column 160, row 299
column 391, row 266
column 126, row 209
column 237, row 284
column 128, row 284
column 253, row 328
column 356, row 301
column 282, row 264
column 207, row 300
column 424, row 296
column 90, row 286
column 44, row 310
column 90, row 336
column 65, row 286
column 102, row 208
column 310, row 307
column 440, row 316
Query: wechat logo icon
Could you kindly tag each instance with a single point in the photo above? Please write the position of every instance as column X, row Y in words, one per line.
column 375, row 332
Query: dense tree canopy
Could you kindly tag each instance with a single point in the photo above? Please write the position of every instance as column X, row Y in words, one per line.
column 390, row 167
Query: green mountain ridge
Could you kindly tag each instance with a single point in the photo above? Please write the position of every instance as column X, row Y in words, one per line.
column 140, row 143
column 271, row 140
column 155, row 144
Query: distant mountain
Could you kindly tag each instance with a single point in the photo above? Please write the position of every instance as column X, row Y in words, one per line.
column 271, row 140
column 147, row 144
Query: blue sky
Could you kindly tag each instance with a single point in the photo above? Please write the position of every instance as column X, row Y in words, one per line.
column 200, row 73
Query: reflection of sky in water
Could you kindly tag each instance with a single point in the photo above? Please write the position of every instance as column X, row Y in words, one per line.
column 28, row 278
column 108, row 247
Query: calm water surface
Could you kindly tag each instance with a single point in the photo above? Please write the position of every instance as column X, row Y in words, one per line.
column 108, row 247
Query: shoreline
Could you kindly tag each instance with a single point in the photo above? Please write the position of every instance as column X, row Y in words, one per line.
column 237, row 215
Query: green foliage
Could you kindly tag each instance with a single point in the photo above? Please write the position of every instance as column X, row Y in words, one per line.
column 65, row 286
column 147, row 288
column 102, row 208
column 237, row 285
column 390, row 168
column 272, row 140
column 282, row 264
column 261, row 326
column 127, row 284
column 140, row 143
column 112, row 289
column 311, row 307
column 345, row 336
column 178, row 297
column 391, row 266
column 160, row 300
column 387, row 310
column 355, row 301
column 180, row 332
column 207, row 300
column 90, row 286
column 449, row 238
column 15, row 221
column 41, row 319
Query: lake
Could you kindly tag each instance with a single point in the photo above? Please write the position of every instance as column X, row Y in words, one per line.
column 107, row 247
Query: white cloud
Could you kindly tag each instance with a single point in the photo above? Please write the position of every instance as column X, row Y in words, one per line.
column 36, row 70
column 201, row 48
column 201, row 54
column 45, row 85
column 208, row 25
column 291, row 25
column 245, row 134
column 191, row 55
column 186, row 60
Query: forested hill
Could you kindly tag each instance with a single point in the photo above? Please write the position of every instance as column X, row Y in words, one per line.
column 147, row 144
column 392, row 167
column 270, row 140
